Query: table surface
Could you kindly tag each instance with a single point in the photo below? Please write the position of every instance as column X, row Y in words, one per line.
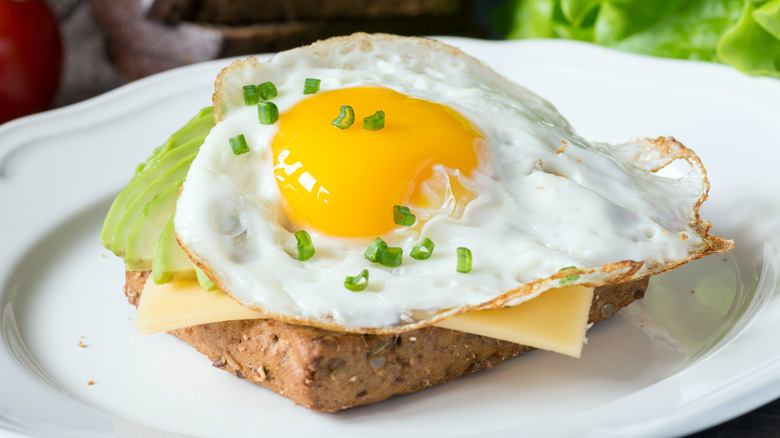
column 87, row 73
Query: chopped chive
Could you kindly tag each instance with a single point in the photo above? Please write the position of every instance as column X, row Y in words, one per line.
column 571, row 278
column 250, row 95
column 238, row 144
column 422, row 251
column 373, row 249
column 305, row 247
column 389, row 256
column 267, row 112
column 345, row 119
column 402, row 216
column 374, row 122
column 358, row 282
column 311, row 86
column 267, row 90
column 464, row 260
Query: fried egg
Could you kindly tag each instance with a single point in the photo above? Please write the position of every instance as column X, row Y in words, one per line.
column 481, row 162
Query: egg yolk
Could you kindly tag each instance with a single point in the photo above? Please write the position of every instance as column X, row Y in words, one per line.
column 345, row 182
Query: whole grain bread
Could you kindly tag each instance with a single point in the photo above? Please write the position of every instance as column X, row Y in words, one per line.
column 328, row 371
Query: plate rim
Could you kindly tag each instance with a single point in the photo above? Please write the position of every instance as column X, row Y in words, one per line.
column 746, row 398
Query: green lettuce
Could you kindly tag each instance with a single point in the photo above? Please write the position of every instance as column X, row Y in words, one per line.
column 741, row 33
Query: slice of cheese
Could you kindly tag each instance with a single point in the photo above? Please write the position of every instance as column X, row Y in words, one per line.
column 556, row 320
column 170, row 306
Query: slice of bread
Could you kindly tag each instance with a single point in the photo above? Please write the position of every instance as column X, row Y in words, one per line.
column 329, row 371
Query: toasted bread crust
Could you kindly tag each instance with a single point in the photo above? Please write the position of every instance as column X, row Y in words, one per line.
column 328, row 371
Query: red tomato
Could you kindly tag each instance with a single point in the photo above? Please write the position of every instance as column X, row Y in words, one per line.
column 30, row 57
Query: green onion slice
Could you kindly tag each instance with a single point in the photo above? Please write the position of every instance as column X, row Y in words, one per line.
column 358, row 282
column 267, row 90
column 389, row 256
column 464, row 260
column 267, row 112
column 402, row 216
column 305, row 247
column 422, row 251
column 374, row 122
column 571, row 278
column 238, row 144
column 250, row 95
column 372, row 251
column 345, row 119
column 311, row 86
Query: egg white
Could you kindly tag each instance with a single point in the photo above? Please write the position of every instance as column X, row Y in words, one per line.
column 539, row 206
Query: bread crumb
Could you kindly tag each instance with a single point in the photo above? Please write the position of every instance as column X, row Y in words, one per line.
column 81, row 344
column 562, row 148
column 683, row 236
column 90, row 382
column 693, row 291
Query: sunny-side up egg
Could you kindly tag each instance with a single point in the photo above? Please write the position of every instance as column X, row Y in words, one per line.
column 480, row 162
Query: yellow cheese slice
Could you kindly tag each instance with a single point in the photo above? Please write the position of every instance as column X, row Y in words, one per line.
column 170, row 306
column 556, row 320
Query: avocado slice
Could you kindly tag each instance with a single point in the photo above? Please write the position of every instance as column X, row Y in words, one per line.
column 197, row 127
column 180, row 146
column 146, row 230
column 170, row 262
column 135, row 207
column 204, row 281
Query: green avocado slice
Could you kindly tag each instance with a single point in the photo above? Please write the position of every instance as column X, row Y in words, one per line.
column 204, row 281
column 146, row 230
column 180, row 146
column 135, row 207
column 170, row 262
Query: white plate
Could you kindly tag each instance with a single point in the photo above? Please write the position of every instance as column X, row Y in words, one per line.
column 643, row 373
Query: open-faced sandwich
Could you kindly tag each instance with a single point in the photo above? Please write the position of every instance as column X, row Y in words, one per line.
column 372, row 215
